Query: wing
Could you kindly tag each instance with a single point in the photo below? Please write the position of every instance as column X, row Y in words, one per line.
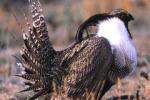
column 88, row 68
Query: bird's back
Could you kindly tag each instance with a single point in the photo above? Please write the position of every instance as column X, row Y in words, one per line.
column 88, row 63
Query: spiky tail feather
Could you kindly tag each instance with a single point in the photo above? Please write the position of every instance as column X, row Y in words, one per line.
column 38, row 55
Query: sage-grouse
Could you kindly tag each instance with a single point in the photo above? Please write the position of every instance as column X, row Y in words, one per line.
column 85, row 70
column 114, row 27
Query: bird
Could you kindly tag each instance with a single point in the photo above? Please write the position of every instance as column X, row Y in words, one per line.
column 81, row 71
column 114, row 27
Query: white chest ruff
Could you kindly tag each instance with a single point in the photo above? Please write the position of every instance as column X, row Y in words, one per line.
column 116, row 33
column 114, row 30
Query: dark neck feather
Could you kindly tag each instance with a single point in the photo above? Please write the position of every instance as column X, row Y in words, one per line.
column 92, row 21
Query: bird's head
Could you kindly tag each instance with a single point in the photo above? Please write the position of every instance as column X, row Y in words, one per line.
column 122, row 14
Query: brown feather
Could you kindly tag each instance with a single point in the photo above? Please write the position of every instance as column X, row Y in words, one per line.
column 35, row 86
column 84, row 64
column 31, row 77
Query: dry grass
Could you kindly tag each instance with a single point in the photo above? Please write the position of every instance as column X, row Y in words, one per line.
column 147, row 90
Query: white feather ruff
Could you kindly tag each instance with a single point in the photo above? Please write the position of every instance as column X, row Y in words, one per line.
column 116, row 32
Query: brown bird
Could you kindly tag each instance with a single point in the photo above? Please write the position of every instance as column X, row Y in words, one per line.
column 85, row 70
column 114, row 27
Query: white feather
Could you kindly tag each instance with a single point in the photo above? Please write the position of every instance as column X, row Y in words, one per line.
column 21, row 68
column 116, row 32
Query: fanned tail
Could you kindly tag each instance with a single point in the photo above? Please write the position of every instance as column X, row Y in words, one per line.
column 38, row 55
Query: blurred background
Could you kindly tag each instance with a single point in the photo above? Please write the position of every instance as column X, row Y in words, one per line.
column 63, row 18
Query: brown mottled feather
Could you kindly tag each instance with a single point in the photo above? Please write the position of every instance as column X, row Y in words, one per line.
column 35, row 86
column 88, row 68
column 31, row 77
column 84, row 64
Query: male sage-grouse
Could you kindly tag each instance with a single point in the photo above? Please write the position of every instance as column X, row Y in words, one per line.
column 85, row 70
